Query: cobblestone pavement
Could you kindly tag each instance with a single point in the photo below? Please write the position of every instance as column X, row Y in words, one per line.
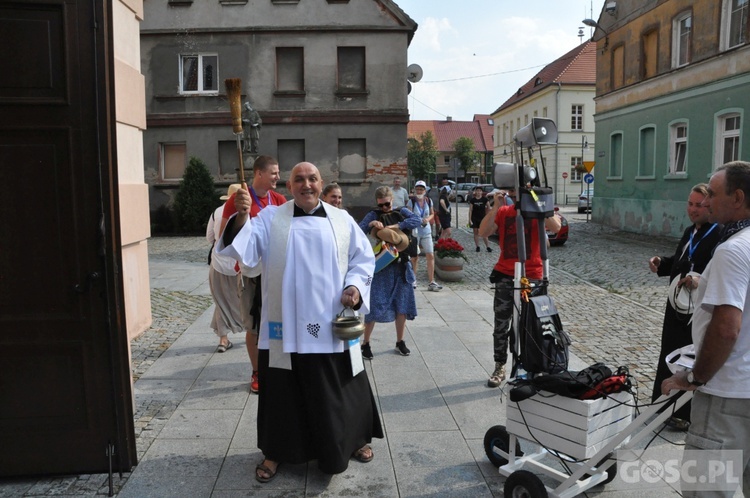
column 607, row 298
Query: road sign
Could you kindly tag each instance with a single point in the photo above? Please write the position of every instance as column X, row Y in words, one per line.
column 589, row 165
column 588, row 178
column 565, row 175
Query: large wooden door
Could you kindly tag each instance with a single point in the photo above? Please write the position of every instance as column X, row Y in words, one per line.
column 65, row 398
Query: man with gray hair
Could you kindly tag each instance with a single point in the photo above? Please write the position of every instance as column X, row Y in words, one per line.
column 721, row 335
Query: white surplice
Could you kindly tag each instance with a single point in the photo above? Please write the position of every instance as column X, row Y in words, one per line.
column 312, row 282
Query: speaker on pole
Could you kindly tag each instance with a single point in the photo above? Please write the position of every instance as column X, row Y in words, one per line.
column 541, row 131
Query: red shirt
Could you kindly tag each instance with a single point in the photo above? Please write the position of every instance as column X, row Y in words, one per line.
column 275, row 198
column 506, row 231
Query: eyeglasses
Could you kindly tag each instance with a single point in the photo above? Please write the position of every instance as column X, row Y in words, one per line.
column 384, row 205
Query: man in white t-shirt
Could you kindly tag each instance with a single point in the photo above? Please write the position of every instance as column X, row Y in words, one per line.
column 400, row 195
column 720, row 411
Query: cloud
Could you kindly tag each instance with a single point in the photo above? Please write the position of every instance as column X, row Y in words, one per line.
column 429, row 34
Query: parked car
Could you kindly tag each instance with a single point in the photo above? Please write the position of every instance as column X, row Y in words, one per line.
column 464, row 191
column 585, row 200
column 559, row 238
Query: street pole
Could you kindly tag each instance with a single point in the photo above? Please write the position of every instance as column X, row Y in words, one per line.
column 584, row 144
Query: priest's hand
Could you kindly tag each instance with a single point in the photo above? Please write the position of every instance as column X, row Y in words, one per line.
column 242, row 202
column 350, row 297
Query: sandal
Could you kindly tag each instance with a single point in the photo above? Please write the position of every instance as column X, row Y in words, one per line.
column 361, row 455
column 223, row 347
column 265, row 469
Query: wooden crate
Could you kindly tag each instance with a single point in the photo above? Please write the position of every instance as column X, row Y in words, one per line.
column 578, row 428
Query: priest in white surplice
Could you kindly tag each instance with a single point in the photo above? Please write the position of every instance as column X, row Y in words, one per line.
column 316, row 401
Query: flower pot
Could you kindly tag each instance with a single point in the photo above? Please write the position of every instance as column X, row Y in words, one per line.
column 449, row 269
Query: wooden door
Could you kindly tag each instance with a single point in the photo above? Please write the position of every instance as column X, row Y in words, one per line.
column 65, row 397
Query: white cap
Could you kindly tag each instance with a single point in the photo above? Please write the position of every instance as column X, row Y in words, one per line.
column 420, row 183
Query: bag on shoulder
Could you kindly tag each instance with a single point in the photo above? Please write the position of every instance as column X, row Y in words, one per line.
column 544, row 343
column 393, row 218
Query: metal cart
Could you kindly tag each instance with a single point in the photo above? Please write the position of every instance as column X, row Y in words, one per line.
column 503, row 450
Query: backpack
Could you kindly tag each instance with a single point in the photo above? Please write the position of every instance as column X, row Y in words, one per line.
column 544, row 343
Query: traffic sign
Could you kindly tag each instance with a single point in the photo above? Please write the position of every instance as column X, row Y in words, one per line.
column 565, row 175
column 588, row 178
column 589, row 165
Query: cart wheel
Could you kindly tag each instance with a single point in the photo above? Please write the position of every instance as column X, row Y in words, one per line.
column 497, row 438
column 524, row 484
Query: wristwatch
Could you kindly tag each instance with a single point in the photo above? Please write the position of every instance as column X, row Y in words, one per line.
column 691, row 379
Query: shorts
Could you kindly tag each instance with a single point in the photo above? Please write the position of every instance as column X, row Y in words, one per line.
column 425, row 242
column 445, row 220
column 248, row 287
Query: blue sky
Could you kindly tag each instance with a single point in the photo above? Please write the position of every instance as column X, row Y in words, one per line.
column 488, row 47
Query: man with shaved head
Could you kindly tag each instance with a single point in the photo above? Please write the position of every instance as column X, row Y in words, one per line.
column 316, row 402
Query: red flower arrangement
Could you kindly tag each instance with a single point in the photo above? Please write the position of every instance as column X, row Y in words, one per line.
column 449, row 248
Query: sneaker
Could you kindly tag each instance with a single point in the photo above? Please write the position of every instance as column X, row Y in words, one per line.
column 414, row 285
column 254, row 387
column 478, row 249
column 489, row 249
column 402, row 349
column 366, row 351
column 434, row 286
column 498, row 376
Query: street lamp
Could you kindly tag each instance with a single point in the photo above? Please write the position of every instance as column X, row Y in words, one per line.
column 593, row 24
column 584, row 145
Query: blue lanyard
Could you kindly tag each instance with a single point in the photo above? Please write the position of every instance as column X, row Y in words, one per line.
column 268, row 201
column 691, row 247
column 421, row 209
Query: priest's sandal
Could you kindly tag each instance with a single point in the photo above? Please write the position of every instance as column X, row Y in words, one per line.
column 267, row 474
column 364, row 454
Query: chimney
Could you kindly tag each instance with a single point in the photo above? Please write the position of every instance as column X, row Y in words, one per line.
column 449, row 118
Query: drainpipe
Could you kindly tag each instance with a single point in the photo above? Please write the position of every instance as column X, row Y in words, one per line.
column 557, row 146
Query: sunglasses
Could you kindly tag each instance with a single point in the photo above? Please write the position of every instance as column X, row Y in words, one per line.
column 384, row 205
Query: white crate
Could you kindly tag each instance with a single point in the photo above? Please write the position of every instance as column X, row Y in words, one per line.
column 578, row 428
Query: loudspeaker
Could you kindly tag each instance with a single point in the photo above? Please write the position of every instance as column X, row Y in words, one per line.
column 541, row 131
column 504, row 175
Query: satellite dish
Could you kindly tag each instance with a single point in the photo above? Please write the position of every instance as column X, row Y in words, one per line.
column 414, row 73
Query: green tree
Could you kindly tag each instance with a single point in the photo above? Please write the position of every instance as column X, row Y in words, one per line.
column 421, row 156
column 196, row 198
column 465, row 152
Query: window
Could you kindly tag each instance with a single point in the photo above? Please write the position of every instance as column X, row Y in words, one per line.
column 650, row 54
column 678, row 148
column 544, row 112
column 172, row 161
column 351, row 67
column 290, row 69
column 647, row 152
column 734, row 23
column 728, row 138
column 525, row 119
column 229, row 163
column 575, row 173
column 576, row 117
column 200, row 73
column 618, row 67
column 290, row 152
column 447, row 159
column 615, row 158
column 352, row 160
column 681, row 29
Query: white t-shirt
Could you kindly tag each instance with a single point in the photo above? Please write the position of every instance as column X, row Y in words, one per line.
column 726, row 281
